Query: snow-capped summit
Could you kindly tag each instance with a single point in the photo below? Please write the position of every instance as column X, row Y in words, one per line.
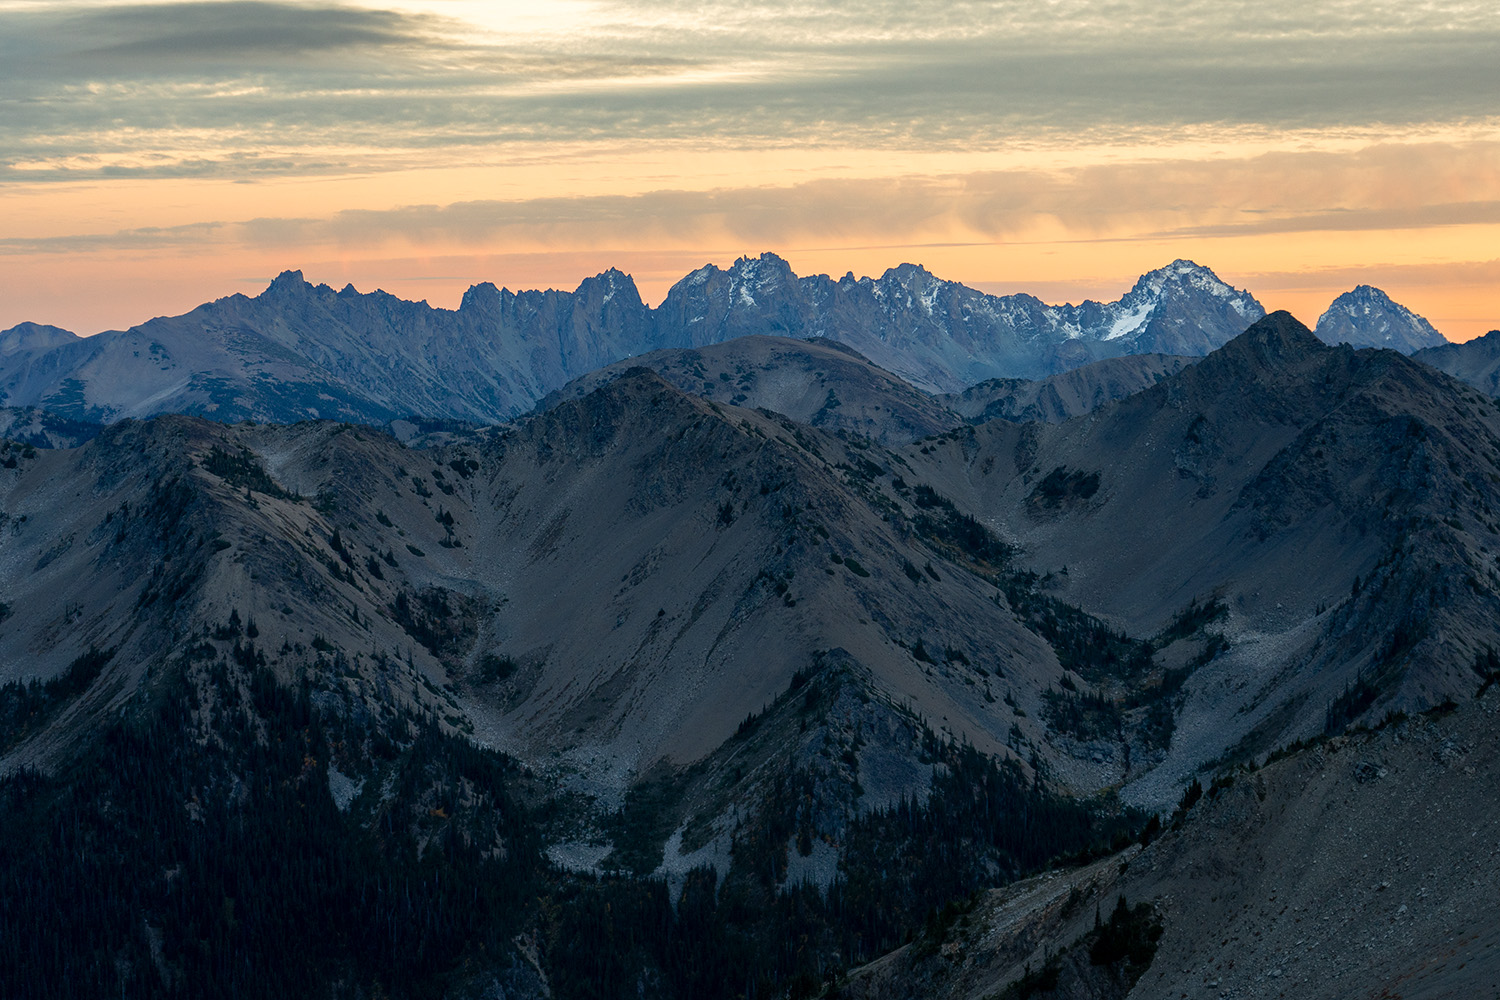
column 1367, row 317
column 1183, row 308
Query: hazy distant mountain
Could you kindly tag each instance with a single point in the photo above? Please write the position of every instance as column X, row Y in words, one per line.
column 1366, row 317
column 942, row 336
column 299, row 351
column 1061, row 397
column 816, row 382
column 33, row 337
column 1476, row 361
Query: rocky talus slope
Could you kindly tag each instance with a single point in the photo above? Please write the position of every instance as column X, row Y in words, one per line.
column 1361, row 865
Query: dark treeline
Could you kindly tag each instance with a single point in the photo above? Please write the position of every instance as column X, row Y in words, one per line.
column 159, row 864
column 160, row 867
column 984, row 824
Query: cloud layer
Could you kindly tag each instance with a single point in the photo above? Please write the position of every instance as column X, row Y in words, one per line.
column 211, row 140
column 1162, row 199
column 264, row 88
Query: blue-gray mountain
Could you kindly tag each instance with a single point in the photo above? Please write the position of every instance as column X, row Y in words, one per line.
column 1476, row 362
column 300, row 351
column 1366, row 317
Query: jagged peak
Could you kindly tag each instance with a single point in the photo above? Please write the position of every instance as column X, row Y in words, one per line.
column 1183, row 272
column 480, row 296
column 1399, row 328
column 695, row 278
column 1366, row 295
column 290, row 279
column 766, row 258
column 911, row 276
column 613, row 282
column 762, row 271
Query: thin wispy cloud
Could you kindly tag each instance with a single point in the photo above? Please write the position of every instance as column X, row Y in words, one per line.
column 1280, row 193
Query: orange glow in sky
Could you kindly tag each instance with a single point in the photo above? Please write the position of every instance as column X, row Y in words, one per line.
column 158, row 155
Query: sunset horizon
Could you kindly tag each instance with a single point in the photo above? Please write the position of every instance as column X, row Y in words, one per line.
column 166, row 154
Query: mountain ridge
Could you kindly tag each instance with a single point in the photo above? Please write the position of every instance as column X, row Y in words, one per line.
column 1267, row 477
column 626, row 696
column 304, row 351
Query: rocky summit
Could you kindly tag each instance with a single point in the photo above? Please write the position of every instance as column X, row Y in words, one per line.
column 1366, row 317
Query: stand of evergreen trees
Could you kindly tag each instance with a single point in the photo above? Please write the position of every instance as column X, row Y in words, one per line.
column 159, row 864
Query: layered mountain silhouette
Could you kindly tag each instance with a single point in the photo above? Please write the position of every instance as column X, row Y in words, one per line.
column 299, row 351
column 732, row 641
column 1308, row 489
column 1476, row 362
column 1066, row 395
column 821, row 383
column 942, row 336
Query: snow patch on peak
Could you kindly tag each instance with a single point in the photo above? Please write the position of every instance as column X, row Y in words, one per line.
column 1129, row 322
column 929, row 296
column 768, row 267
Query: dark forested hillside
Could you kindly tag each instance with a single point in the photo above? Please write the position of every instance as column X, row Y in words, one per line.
column 651, row 694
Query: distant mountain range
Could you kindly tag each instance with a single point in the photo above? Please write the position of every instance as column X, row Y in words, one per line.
column 299, row 351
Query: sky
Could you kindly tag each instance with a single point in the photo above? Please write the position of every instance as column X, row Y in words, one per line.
column 155, row 155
